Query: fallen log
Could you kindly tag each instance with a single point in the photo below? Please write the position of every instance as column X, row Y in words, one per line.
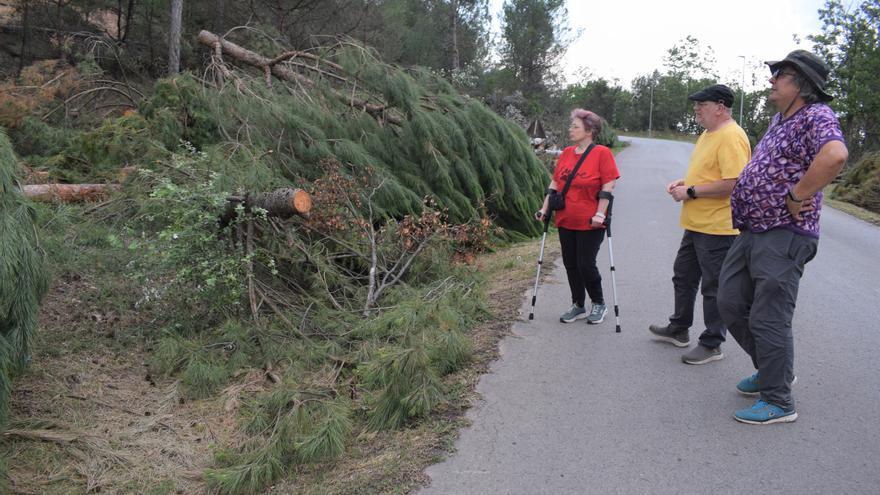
column 281, row 203
column 68, row 193
column 273, row 67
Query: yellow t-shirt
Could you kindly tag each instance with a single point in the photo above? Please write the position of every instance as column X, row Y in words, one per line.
column 718, row 154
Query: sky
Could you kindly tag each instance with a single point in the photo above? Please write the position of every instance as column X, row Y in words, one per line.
column 620, row 39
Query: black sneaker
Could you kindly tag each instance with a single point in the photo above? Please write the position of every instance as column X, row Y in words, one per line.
column 702, row 355
column 678, row 338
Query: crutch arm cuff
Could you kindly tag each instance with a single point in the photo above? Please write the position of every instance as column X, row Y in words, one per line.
column 605, row 195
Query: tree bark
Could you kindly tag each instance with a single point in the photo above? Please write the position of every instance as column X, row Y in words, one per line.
column 68, row 193
column 174, row 37
column 455, row 54
column 128, row 15
column 25, row 25
column 283, row 203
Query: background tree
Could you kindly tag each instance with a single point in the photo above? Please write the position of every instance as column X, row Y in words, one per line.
column 410, row 33
column 533, row 39
column 850, row 42
column 599, row 95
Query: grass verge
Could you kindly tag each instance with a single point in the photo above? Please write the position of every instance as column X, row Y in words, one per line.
column 89, row 417
column 856, row 211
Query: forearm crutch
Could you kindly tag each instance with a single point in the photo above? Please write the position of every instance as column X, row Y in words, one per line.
column 540, row 262
column 610, row 197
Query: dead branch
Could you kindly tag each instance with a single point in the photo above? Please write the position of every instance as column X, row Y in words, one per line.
column 88, row 92
column 51, row 436
column 252, row 292
column 253, row 59
column 297, row 54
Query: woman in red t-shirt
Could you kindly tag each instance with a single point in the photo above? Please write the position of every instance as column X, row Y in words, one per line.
column 581, row 223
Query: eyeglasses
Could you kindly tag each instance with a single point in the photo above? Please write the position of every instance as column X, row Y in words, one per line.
column 781, row 72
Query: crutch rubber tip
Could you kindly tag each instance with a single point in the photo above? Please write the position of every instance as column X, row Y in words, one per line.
column 531, row 316
column 618, row 329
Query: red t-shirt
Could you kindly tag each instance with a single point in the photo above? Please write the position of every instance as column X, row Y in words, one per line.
column 581, row 202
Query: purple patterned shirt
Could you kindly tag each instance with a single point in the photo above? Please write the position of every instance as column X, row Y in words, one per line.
column 778, row 163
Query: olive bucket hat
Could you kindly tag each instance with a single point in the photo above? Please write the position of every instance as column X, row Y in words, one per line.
column 812, row 67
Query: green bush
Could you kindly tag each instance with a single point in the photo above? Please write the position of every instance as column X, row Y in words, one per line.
column 607, row 136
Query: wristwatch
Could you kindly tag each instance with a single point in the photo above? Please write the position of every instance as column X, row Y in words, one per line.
column 692, row 193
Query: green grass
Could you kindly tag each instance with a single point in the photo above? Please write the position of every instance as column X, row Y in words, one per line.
column 853, row 210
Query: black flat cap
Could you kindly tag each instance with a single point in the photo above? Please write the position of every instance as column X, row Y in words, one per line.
column 808, row 64
column 718, row 93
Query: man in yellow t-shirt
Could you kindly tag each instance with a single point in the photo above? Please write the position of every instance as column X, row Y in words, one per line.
column 719, row 156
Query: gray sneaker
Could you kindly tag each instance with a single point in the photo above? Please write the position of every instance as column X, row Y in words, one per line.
column 702, row 355
column 597, row 314
column 574, row 313
column 678, row 338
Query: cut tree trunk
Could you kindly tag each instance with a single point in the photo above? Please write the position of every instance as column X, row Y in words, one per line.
column 284, row 202
column 281, row 203
column 68, row 193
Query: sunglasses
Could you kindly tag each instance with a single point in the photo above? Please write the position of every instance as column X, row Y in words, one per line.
column 782, row 72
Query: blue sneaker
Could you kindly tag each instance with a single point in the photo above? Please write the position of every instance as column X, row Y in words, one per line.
column 748, row 386
column 763, row 413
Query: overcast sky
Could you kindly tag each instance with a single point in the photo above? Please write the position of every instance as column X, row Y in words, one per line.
column 623, row 38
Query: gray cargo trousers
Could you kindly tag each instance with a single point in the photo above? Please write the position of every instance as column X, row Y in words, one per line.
column 757, row 292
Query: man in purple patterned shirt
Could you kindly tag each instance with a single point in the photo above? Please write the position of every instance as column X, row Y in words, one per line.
column 776, row 204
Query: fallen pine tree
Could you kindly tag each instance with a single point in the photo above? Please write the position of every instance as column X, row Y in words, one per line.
column 341, row 103
column 23, row 277
column 357, row 312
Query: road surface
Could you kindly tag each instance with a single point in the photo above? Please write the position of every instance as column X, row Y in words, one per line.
column 578, row 409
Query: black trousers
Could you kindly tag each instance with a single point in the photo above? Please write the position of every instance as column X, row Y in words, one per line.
column 757, row 296
column 579, row 250
column 698, row 266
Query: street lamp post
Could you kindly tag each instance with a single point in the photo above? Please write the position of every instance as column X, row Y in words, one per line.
column 742, row 90
column 651, row 109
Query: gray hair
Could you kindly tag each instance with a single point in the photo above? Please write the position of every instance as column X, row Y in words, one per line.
column 591, row 121
column 808, row 91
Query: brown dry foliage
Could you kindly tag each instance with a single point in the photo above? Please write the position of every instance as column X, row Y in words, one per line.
column 36, row 88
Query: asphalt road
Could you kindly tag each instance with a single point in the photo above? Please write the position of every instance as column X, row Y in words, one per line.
column 578, row 409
